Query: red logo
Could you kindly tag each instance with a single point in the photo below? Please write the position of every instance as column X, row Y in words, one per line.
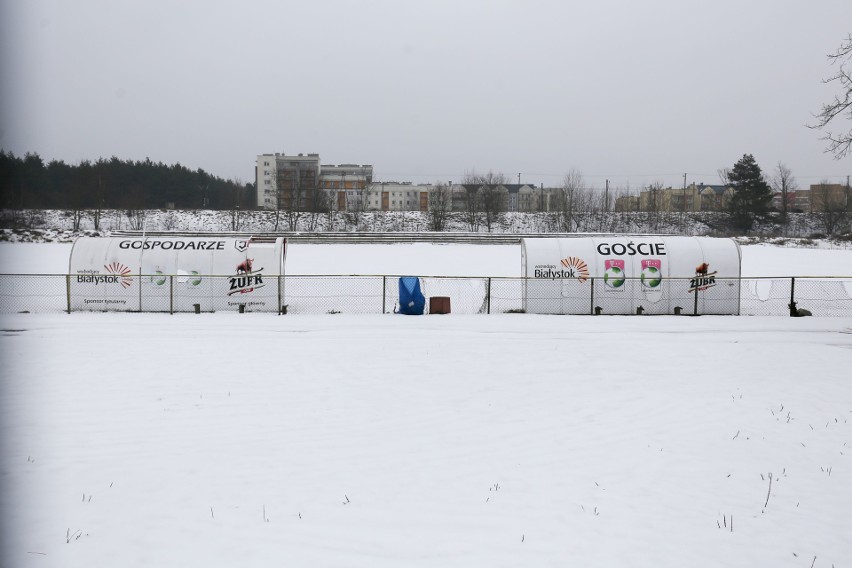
column 245, row 266
column 121, row 271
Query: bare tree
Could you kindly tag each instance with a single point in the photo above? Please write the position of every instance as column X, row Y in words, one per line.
column 839, row 144
column 440, row 205
column 652, row 204
column 569, row 200
column 357, row 201
column 298, row 193
column 169, row 221
column 322, row 203
column 784, row 183
column 236, row 214
column 486, row 197
column 472, row 201
column 135, row 219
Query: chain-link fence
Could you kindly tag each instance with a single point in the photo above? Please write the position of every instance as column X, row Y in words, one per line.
column 22, row 293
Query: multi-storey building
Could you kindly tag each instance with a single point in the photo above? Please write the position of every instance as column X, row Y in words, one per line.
column 798, row 201
column 826, row 197
column 302, row 182
column 692, row 198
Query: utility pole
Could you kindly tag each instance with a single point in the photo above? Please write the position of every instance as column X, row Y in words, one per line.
column 684, row 193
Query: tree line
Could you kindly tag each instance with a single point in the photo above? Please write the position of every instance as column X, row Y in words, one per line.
column 29, row 183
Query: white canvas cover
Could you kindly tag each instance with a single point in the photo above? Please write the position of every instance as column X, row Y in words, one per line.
column 617, row 274
column 176, row 273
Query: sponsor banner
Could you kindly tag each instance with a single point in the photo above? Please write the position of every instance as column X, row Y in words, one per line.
column 571, row 267
column 614, row 275
column 704, row 279
column 652, row 273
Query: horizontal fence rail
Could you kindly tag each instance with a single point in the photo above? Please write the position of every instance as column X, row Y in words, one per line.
column 379, row 294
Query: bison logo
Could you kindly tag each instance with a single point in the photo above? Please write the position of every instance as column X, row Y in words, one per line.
column 704, row 279
column 245, row 266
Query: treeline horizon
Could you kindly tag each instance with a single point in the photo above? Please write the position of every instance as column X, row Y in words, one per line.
column 29, row 183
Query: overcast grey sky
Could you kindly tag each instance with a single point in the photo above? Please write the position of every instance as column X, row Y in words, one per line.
column 635, row 92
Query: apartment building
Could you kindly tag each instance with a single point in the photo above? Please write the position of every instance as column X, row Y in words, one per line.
column 826, row 197
column 303, row 182
column 691, row 199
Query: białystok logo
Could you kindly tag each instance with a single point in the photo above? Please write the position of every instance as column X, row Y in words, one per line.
column 116, row 273
column 703, row 278
column 576, row 267
column 572, row 267
column 247, row 278
column 120, row 271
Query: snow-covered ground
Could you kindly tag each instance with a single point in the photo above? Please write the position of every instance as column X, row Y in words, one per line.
column 503, row 440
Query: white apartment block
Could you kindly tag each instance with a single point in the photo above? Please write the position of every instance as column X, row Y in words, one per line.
column 297, row 179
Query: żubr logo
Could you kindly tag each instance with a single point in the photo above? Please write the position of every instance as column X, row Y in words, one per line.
column 247, row 279
column 703, row 278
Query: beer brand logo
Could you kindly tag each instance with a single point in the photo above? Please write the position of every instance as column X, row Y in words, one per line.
column 247, row 279
column 704, row 279
column 241, row 246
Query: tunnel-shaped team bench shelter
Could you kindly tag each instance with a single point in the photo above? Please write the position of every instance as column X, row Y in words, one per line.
column 176, row 274
column 622, row 274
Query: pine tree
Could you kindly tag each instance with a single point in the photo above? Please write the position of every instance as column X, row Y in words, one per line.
column 752, row 196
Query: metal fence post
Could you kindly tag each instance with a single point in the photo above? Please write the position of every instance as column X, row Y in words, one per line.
column 384, row 293
column 280, row 306
column 592, row 297
column 793, row 312
column 68, row 291
column 695, row 308
column 171, row 295
column 488, row 296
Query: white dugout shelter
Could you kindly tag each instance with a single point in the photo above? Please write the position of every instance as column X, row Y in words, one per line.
column 163, row 274
column 622, row 274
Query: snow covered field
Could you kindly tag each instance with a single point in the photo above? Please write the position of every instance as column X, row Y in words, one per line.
column 502, row 440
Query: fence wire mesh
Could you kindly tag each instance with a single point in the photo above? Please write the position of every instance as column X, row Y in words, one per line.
column 40, row 293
